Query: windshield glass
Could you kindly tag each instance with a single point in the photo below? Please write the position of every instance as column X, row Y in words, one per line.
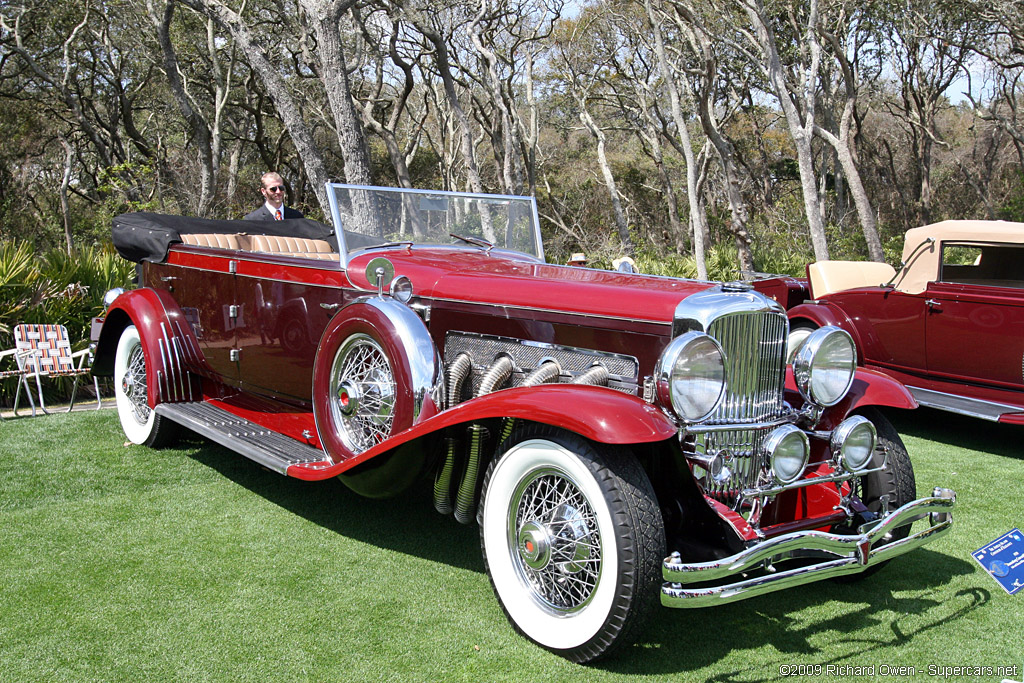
column 376, row 216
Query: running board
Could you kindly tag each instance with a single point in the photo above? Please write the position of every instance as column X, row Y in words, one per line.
column 270, row 449
column 972, row 407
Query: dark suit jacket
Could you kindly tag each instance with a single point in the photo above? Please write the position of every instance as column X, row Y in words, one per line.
column 262, row 214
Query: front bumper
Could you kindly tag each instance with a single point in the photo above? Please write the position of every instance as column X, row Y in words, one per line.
column 840, row 554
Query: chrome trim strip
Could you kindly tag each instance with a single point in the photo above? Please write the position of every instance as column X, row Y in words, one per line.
column 971, row 407
column 838, row 476
column 787, row 418
column 559, row 311
column 846, row 555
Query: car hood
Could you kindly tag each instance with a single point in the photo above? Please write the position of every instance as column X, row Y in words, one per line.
column 500, row 278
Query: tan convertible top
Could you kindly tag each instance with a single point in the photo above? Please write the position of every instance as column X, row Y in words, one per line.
column 922, row 257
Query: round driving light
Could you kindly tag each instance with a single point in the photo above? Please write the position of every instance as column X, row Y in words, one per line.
column 401, row 289
column 853, row 443
column 690, row 376
column 788, row 449
column 824, row 366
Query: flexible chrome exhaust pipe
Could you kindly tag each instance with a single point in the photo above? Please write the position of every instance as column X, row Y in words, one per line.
column 465, row 500
column 458, row 371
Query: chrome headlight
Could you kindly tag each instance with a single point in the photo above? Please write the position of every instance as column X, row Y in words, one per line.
column 401, row 289
column 110, row 295
column 788, row 450
column 690, row 376
column 853, row 443
column 824, row 365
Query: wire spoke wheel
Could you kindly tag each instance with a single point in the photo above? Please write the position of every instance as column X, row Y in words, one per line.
column 554, row 530
column 362, row 393
column 140, row 423
column 133, row 384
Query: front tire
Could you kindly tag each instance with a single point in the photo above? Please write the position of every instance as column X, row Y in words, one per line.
column 140, row 423
column 572, row 539
column 883, row 491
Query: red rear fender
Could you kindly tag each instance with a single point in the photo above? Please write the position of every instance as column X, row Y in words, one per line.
column 159, row 320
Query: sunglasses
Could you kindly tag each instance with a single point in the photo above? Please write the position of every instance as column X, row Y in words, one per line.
column 276, row 188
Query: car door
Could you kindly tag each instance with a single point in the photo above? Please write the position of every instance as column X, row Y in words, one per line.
column 976, row 333
column 204, row 289
column 286, row 303
column 890, row 325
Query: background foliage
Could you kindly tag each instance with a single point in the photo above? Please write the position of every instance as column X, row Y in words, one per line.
column 660, row 152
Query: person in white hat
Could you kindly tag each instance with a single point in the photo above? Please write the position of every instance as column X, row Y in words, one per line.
column 577, row 259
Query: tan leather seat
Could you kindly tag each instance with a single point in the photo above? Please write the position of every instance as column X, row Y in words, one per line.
column 218, row 240
column 289, row 245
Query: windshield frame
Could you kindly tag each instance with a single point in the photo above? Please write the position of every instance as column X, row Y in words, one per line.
column 347, row 253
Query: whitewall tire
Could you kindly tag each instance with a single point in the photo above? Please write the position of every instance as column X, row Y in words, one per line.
column 140, row 423
column 573, row 541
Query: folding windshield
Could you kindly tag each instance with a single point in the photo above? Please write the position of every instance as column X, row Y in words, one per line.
column 372, row 217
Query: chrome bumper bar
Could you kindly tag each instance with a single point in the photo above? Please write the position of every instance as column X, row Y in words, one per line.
column 841, row 554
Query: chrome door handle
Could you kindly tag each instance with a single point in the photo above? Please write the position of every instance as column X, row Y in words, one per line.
column 330, row 307
column 933, row 304
column 167, row 278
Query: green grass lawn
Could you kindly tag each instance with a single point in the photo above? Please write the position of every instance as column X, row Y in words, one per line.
column 121, row 563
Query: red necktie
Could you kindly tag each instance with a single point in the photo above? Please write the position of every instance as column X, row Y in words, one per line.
column 277, row 216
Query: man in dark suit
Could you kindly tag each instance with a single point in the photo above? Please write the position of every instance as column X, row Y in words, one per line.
column 272, row 189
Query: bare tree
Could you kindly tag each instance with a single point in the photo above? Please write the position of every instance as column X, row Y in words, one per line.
column 842, row 141
column 581, row 66
column 930, row 49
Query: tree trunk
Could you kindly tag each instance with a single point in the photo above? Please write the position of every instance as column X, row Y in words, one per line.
column 65, row 209
column 698, row 221
column 622, row 227
column 800, row 122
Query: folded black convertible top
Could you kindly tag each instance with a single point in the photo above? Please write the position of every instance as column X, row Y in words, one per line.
column 145, row 236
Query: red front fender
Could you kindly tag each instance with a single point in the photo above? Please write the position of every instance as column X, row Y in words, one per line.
column 870, row 388
column 597, row 413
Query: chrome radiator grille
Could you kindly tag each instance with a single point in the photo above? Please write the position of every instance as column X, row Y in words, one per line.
column 755, row 348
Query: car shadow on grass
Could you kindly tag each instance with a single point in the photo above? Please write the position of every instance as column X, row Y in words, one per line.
column 406, row 523
column 803, row 628
column 959, row 430
column 673, row 641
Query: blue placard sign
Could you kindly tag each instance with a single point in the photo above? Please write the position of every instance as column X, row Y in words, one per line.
column 1003, row 559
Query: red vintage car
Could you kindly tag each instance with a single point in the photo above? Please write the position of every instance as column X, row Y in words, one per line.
column 948, row 324
column 617, row 437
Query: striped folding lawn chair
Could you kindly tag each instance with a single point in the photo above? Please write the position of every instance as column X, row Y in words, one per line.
column 44, row 351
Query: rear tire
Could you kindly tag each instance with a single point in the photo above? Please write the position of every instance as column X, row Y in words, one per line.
column 572, row 539
column 140, row 423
